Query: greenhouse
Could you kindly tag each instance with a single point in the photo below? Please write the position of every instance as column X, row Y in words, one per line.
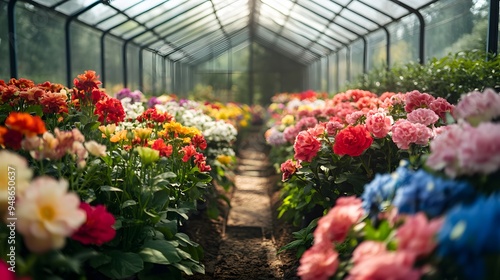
column 249, row 139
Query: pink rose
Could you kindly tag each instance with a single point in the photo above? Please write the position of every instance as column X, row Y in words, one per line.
column 318, row 263
column 306, row 146
column 289, row 167
column 423, row 116
column 416, row 235
column 334, row 226
column 389, row 265
column 378, row 123
column 368, row 249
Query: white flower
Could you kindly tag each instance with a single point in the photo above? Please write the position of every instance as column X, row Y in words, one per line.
column 15, row 173
column 95, row 148
column 47, row 214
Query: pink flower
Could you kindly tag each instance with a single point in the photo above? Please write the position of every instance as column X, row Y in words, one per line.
column 317, row 130
column 443, row 150
column 423, row 116
column 405, row 133
column 334, row 226
column 5, row 273
column 368, row 249
column 333, row 127
column 378, row 123
column 476, row 107
column 306, row 146
column 415, row 99
column 318, row 263
column 289, row 167
column 416, row 235
column 353, row 117
column 389, row 265
column 440, row 106
column 290, row 133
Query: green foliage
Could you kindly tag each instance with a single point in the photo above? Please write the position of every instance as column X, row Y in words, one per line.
column 448, row 77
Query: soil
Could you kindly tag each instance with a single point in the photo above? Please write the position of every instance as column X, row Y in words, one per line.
column 243, row 242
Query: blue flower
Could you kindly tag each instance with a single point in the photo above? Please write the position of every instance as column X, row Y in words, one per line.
column 430, row 194
column 471, row 231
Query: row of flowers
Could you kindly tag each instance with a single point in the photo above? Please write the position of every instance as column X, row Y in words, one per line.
column 408, row 182
column 96, row 186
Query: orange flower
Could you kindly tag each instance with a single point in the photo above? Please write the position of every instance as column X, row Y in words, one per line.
column 54, row 102
column 87, row 81
column 25, row 123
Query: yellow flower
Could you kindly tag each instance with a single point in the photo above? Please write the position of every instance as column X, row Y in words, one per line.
column 143, row 133
column 119, row 136
column 224, row 159
column 243, row 123
column 287, row 120
column 107, row 130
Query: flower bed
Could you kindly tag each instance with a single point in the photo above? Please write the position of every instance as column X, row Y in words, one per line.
column 97, row 187
column 391, row 186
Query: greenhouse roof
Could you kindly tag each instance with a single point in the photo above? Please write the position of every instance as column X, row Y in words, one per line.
column 191, row 31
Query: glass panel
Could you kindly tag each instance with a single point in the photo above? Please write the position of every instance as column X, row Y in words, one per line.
column 377, row 55
column 329, row 5
column 283, row 6
column 120, row 30
column 340, row 33
column 369, row 13
column 170, row 20
column 386, row 6
column 343, row 2
column 142, row 39
column 85, row 51
column 296, row 37
column 4, row 45
column 199, row 26
column 144, row 6
column 416, row 4
column 269, row 24
column 114, row 62
column 47, row 3
column 308, row 17
column 347, row 25
column 353, row 20
column 302, row 29
column 97, row 14
column 135, row 31
column 193, row 35
column 236, row 25
column 125, row 4
column 271, row 13
column 329, row 42
column 317, row 8
column 73, row 6
column 119, row 18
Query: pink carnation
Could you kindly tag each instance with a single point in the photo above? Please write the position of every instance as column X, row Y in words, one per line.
column 306, row 146
column 317, row 130
column 423, row 116
column 318, row 263
column 378, row 123
column 476, row 107
column 389, row 265
column 334, row 226
column 333, row 127
column 416, row 235
column 353, row 117
column 440, row 106
column 415, row 99
column 368, row 249
column 443, row 150
column 405, row 133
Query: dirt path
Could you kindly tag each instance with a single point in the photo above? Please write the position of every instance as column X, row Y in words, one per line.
column 247, row 248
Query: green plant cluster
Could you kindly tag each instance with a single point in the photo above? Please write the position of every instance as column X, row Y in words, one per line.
column 448, row 77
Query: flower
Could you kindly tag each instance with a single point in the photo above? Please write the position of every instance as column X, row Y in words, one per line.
column 10, row 138
column 25, row 123
column 306, row 146
column 148, row 155
column 5, row 273
column 289, row 167
column 47, row 214
column 95, row 148
column 388, row 265
column 13, row 166
column 98, row 228
column 334, row 226
column 405, row 133
column 416, row 99
column 378, row 193
column 468, row 232
column 423, row 116
column 476, row 107
column 188, row 151
column 164, row 149
column 417, row 234
column 352, row 141
column 54, row 102
column 318, row 263
column 368, row 249
column 378, row 123
column 110, row 110
column 87, row 81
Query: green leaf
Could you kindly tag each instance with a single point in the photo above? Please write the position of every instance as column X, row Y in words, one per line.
column 128, row 203
column 166, row 175
column 35, row 109
column 160, row 199
column 122, row 265
column 110, row 189
column 184, row 237
column 159, row 252
column 100, row 260
column 183, row 268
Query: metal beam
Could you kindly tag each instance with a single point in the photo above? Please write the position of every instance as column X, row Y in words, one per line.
column 492, row 40
column 11, row 19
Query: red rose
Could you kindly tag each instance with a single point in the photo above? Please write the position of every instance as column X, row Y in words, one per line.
column 98, row 228
column 352, row 141
column 306, row 146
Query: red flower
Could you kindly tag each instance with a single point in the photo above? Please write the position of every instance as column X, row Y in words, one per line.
column 87, row 81
column 5, row 273
column 164, row 149
column 188, row 151
column 98, row 228
column 352, row 141
column 25, row 123
column 110, row 110
column 22, row 83
column 306, row 146
column 289, row 167
column 200, row 161
column 10, row 138
column 199, row 141
column 152, row 114
column 54, row 103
